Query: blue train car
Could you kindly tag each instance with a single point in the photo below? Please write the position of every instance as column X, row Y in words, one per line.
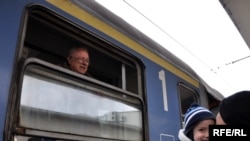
column 138, row 91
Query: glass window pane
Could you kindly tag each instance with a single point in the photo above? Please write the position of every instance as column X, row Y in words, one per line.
column 187, row 97
column 52, row 105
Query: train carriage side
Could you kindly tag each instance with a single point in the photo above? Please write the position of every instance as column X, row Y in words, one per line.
column 171, row 85
column 139, row 90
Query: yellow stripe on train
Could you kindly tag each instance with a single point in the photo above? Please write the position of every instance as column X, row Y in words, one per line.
column 83, row 15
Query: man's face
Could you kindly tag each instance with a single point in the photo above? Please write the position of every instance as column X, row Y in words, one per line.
column 79, row 61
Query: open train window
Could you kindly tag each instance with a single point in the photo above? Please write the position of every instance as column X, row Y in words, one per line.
column 213, row 103
column 49, row 38
column 187, row 97
column 56, row 102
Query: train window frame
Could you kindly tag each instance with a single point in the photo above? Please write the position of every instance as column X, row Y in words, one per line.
column 189, row 94
column 119, row 60
column 31, row 51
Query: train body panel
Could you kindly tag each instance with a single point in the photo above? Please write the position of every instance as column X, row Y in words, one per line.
column 10, row 24
column 151, row 85
column 162, row 116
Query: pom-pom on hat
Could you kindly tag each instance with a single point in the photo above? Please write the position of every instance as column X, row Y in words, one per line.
column 195, row 114
column 235, row 109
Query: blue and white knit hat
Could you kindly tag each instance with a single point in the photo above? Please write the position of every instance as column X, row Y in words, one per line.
column 195, row 114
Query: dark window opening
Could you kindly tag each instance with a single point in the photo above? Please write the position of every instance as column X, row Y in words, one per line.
column 213, row 103
column 50, row 38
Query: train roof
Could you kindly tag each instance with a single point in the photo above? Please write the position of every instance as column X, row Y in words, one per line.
column 121, row 25
column 238, row 11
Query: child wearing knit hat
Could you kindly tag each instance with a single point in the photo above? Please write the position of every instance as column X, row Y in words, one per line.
column 196, row 124
column 235, row 110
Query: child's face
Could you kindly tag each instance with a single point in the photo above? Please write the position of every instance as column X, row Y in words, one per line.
column 201, row 130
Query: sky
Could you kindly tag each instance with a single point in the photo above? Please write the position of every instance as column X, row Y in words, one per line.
column 197, row 31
